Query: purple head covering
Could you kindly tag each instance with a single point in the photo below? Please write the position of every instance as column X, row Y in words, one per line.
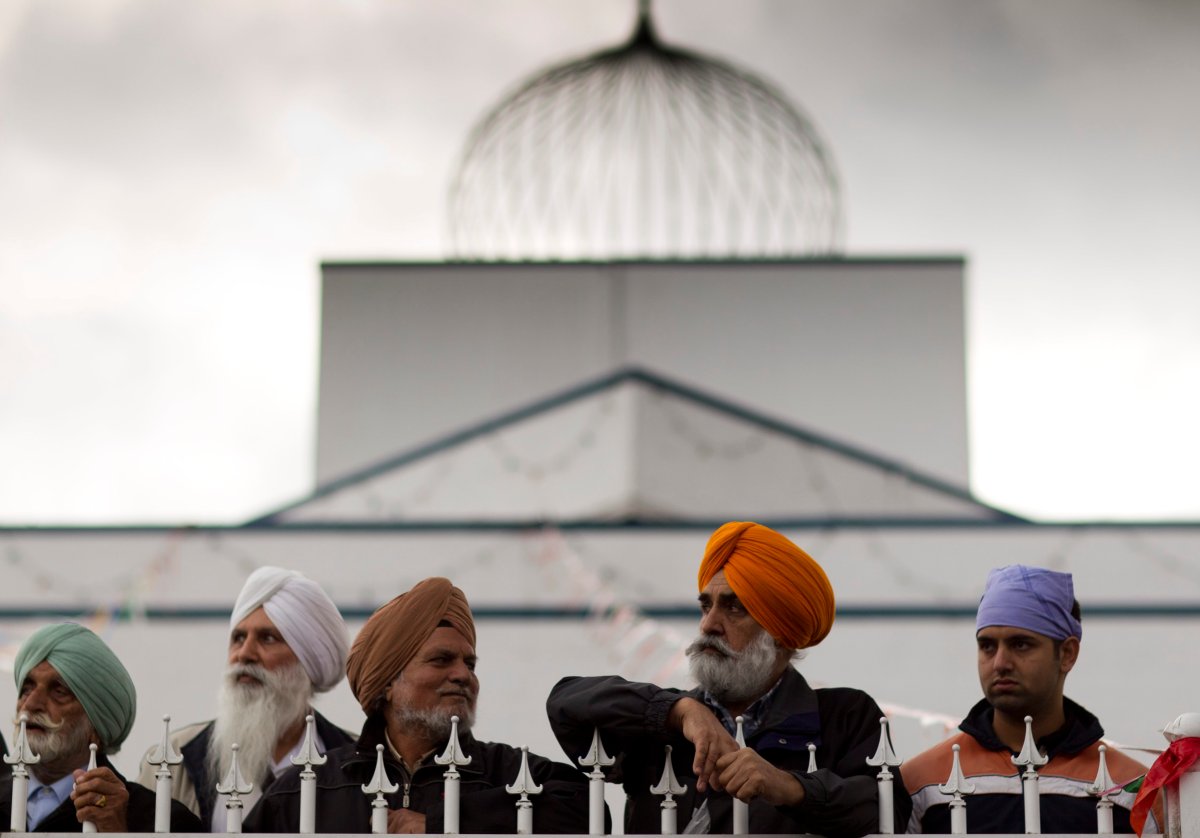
column 1031, row 598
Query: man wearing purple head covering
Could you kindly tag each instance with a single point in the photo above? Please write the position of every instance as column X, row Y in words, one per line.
column 1028, row 631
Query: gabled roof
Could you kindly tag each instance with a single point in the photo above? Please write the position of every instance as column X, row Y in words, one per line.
column 637, row 448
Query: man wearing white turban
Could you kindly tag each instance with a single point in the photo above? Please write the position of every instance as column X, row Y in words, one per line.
column 287, row 641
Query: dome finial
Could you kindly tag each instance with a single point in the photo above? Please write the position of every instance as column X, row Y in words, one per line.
column 644, row 32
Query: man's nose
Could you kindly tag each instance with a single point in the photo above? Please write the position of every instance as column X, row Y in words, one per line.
column 460, row 673
column 33, row 701
column 711, row 623
column 1001, row 662
column 247, row 651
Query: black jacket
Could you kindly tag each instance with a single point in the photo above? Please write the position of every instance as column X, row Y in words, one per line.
column 841, row 798
column 139, row 815
column 485, row 805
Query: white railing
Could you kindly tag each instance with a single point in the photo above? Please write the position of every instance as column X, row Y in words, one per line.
column 1181, row 806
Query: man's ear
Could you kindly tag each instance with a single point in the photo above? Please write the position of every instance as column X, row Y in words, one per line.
column 1068, row 654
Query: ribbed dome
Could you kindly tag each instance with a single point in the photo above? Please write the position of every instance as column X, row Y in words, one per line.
column 644, row 151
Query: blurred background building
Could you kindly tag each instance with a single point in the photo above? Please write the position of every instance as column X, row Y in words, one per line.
column 646, row 326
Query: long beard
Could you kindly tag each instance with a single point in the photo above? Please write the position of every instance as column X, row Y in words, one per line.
column 733, row 676
column 58, row 740
column 254, row 716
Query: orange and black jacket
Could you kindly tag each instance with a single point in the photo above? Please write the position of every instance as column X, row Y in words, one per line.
column 997, row 805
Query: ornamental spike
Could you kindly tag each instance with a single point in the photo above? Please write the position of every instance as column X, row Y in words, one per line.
column 380, row 784
column 1029, row 757
column 92, row 757
column 956, row 783
column 164, row 754
column 21, row 752
column 884, row 754
column 453, row 755
column 668, row 783
column 1103, row 784
column 524, row 783
column 596, row 756
column 812, row 757
column 740, row 736
column 234, row 783
column 309, row 755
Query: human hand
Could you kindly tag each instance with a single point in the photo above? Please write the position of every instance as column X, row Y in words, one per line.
column 710, row 738
column 100, row 797
column 406, row 822
column 747, row 776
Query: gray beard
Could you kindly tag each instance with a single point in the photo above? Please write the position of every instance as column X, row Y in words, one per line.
column 254, row 716
column 433, row 724
column 734, row 677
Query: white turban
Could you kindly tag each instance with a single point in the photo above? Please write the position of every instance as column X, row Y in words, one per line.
column 306, row 617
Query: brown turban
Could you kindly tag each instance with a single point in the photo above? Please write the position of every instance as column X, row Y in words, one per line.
column 782, row 587
column 395, row 632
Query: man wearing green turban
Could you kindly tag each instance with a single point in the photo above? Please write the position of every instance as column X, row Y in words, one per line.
column 73, row 692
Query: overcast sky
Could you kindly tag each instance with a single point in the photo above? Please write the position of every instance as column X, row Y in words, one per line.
column 172, row 173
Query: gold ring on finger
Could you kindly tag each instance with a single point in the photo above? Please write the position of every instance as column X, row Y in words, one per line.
column 100, row 802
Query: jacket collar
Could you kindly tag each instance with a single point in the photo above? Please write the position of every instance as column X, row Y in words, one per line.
column 1080, row 729
column 374, row 732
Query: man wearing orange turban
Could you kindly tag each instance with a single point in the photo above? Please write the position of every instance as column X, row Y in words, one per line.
column 762, row 599
column 412, row 668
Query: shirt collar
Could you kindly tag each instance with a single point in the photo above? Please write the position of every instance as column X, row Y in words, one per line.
column 752, row 716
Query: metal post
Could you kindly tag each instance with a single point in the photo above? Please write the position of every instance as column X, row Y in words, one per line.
column 1030, row 759
column 20, row 757
column 668, row 786
column 957, row 785
column 596, row 759
column 308, row 757
column 452, row 758
column 741, row 809
column 524, row 786
column 885, row 758
column 90, row 826
column 379, row 786
column 164, row 756
column 1102, row 787
column 234, row 786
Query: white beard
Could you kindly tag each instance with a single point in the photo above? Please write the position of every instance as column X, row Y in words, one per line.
column 254, row 716
column 57, row 741
column 732, row 677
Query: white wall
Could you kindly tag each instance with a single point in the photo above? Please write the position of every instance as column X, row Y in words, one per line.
column 870, row 352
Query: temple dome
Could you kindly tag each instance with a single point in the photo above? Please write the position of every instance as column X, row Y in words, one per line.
column 644, row 151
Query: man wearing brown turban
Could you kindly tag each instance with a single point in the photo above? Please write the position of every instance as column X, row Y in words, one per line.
column 762, row 599
column 412, row 667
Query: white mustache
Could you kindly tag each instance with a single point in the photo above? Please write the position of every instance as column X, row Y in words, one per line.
column 39, row 720
column 254, row 670
column 705, row 642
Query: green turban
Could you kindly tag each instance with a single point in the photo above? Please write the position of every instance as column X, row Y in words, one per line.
column 91, row 670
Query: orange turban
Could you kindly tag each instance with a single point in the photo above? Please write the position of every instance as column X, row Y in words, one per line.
column 396, row 632
column 782, row 587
